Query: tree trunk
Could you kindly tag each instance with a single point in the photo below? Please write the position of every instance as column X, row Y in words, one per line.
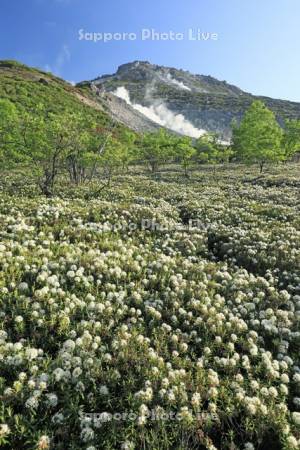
column 186, row 173
column 153, row 166
column 46, row 184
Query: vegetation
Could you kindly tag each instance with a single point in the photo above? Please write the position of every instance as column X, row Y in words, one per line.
column 170, row 309
column 210, row 150
column 55, row 128
column 139, row 313
column 258, row 138
column 40, row 113
column 184, row 151
column 291, row 139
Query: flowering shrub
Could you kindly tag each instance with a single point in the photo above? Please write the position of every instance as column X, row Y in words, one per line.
column 175, row 336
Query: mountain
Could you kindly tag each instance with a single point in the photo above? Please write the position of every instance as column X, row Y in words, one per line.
column 144, row 96
column 140, row 96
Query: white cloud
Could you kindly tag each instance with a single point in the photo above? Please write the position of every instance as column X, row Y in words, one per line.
column 161, row 115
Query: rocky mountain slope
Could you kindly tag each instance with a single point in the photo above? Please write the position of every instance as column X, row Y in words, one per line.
column 121, row 111
column 142, row 96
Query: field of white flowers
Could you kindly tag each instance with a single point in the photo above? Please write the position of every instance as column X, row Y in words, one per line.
column 159, row 314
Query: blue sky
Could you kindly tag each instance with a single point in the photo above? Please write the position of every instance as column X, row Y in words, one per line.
column 257, row 49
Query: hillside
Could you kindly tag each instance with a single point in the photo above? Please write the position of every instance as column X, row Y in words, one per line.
column 26, row 87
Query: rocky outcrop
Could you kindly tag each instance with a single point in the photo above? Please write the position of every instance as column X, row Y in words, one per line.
column 204, row 101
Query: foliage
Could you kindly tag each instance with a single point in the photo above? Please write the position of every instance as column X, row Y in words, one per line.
column 258, row 137
column 130, row 152
column 113, row 156
column 291, row 138
column 184, row 151
column 210, row 150
column 157, row 148
column 170, row 310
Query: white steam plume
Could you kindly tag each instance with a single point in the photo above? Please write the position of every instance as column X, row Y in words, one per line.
column 178, row 83
column 161, row 115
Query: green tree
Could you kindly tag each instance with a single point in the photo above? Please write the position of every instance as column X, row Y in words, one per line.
column 112, row 157
column 258, row 137
column 208, row 149
column 47, row 142
column 157, row 148
column 130, row 151
column 291, row 138
column 42, row 142
column 84, row 146
column 184, row 151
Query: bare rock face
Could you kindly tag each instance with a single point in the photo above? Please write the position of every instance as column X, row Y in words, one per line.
column 204, row 102
column 127, row 115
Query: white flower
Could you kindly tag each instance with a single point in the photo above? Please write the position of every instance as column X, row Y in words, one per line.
column 273, row 392
column 292, row 442
column 58, row 374
column 196, row 399
column 87, row 434
column 77, row 372
column 296, row 401
column 103, row 390
column 58, row 418
column 185, row 413
column 23, row 287
column 31, row 353
column 296, row 378
column 44, row 442
column 251, row 409
column 52, row 399
column 19, row 319
column 296, row 418
column 4, row 430
column 284, row 389
column 127, row 445
column 31, row 384
column 69, row 345
column 142, row 420
column 285, row 378
column 31, row 403
column 249, row 446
